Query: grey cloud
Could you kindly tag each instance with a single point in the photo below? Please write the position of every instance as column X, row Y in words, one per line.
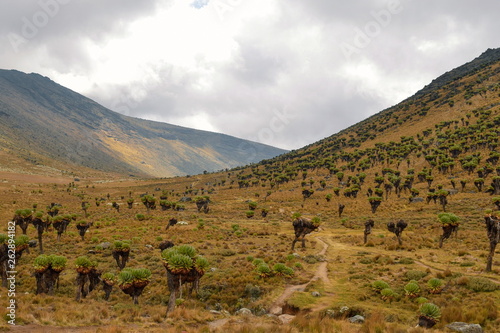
column 292, row 63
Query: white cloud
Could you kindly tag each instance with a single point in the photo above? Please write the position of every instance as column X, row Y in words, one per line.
column 232, row 66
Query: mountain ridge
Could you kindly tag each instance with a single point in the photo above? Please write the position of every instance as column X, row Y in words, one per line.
column 39, row 113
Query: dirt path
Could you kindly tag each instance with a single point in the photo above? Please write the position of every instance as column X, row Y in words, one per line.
column 321, row 273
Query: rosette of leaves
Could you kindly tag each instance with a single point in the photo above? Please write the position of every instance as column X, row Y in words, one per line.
column 142, row 276
column 57, row 263
column 24, row 213
column 21, row 242
column 201, row 264
column 387, row 294
column 84, row 265
column 379, row 285
column 109, row 278
column 252, row 205
column 316, row 221
column 41, row 263
column 429, row 315
column 263, row 270
column 435, row 285
column 179, row 264
column 186, row 250
column 281, row 269
column 421, row 300
column 125, row 279
column 412, row 290
column 168, row 253
column 448, row 218
column 256, row 262
column 121, row 246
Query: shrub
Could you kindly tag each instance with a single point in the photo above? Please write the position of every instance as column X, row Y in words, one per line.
column 387, row 294
column 379, row 285
column 480, row 284
column 263, row 270
column 415, row 275
column 435, row 285
column 412, row 290
column 257, row 262
column 283, row 270
column 431, row 311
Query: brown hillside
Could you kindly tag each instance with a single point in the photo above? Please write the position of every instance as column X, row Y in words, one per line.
column 47, row 124
column 416, row 159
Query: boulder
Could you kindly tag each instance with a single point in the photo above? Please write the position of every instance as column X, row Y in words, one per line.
column 185, row 199
column 244, row 312
column 105, row 245
column 286, row 318
column 315, row 294
column 465, row 328
column 416, row 199
column 357, row 319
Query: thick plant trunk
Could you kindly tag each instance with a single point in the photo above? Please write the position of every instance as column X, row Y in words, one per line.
column 447, row 231
column 489, row 263
column 426, row 322
column 108, row 288
column 81, row 286
column 173, row 287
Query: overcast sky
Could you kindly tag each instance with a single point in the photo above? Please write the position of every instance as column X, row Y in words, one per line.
column 286, row 73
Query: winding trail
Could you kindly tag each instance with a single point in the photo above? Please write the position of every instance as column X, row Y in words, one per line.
column 321, row 273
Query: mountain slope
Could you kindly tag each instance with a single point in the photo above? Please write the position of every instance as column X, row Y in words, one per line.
column 43, row 121
column 450, row 108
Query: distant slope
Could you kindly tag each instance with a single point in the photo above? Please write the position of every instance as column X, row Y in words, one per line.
column 47, row 123
column 460, row 103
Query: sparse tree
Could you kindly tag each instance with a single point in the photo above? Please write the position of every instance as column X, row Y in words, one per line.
column 183, row 265
column 149, row 202
column 368, row 229
column 121, row 253
column 450, row 223
column 87, row 278
column 375, row 203
column 492, row 222
column 397, row 229
column 82, row 227
column 133, row 281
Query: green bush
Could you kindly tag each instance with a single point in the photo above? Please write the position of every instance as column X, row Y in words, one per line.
column 281, row 269
column 435, row 285
column 412, row 289
column 480, row 284
column 263, row 270
column 415, row 275
column 448, row 218
column 379, row 285
column 430, row 310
